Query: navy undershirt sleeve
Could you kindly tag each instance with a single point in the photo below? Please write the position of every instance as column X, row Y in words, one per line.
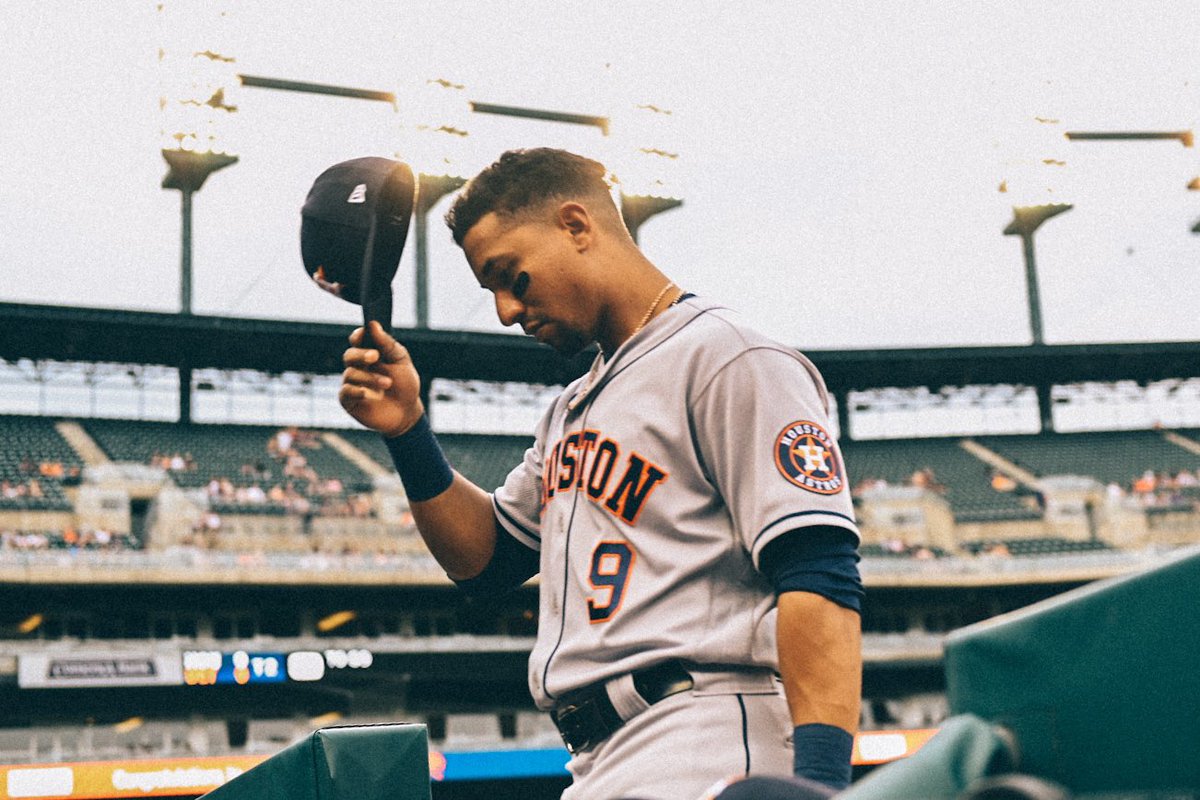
column 512, row 564
column 821, row 559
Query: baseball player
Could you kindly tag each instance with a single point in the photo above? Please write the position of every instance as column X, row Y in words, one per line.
column 683, row 503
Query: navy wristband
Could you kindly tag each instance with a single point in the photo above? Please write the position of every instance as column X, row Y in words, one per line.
column 822, row 754
column 420, row 462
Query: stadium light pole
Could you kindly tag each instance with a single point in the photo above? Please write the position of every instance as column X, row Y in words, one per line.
column 644, row 161
column 187, row 172
column 198, row 78
column 1025, row 222
column 430, row 189
column 1035, row 176
column 435, row 130
column 637, row 209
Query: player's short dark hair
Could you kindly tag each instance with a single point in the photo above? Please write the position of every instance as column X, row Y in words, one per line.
column 523, row 180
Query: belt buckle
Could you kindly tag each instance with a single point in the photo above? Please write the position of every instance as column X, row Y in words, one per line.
column 576, row 720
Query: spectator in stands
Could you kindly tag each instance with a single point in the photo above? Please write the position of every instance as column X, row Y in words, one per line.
column 298, row 503
column 868, row 484
column 998, row 550
column 1147, row 483
column 360, row 505
column 1002, row 482
column 33, row 541
column 281, row 443
column 27, row 488
column 51, row 469
column 925, row 478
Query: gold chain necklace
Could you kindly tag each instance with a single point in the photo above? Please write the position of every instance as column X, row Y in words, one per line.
column 654, row 305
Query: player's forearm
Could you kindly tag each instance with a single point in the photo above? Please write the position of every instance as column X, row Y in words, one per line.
column 820, row 660
column 459, row 528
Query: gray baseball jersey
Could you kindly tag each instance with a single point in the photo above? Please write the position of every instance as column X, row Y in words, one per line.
column 652, row 486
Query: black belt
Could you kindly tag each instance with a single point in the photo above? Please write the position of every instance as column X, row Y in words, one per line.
column 586, row 717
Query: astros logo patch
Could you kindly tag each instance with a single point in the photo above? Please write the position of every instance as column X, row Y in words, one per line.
column 804, row 454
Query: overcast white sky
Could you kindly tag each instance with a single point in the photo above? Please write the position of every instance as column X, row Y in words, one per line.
column 841, row 159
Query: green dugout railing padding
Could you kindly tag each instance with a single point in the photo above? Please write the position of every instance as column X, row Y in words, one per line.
column 1100, row 686
column 355, row 762
column 1097, row 690
column 965, row 750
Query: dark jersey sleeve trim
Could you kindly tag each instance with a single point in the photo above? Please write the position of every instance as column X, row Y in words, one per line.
column 812, row 513
column 513, row 521
column 512, row 564
column 821, row 559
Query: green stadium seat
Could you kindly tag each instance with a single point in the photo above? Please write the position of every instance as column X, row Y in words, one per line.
column 966, row 479
column 221, row 451
column 1107, row 456
column 34, row 440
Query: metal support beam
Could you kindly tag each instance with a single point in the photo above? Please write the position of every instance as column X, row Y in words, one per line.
column 185, row 254
column 430, row 189
column 1186, row 138
column 1031, row 289
column 259, row 82
column 185, row 395
column 1045, row 409
column 549, row 116
column 383, row 96
column 843, row 414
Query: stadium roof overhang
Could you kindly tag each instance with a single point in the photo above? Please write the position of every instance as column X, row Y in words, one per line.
column 139, row 337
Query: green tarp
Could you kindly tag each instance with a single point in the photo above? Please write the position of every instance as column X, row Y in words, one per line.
column 1097, row 689
column 355, row 762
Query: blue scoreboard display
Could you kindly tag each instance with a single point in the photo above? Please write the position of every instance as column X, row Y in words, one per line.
column 240, row 667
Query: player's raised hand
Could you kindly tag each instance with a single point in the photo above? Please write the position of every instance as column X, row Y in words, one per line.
column 380, row 387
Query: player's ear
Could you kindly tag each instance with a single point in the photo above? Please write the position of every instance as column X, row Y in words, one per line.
column 575, row 219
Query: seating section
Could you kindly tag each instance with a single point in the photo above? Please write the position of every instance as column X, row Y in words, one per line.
column 244, row 456
column 964, row 479
column 900, row 550
column 1108, row 456
column 1032, row 547
column 273, row 470
column 36, row 462
column 485, row 460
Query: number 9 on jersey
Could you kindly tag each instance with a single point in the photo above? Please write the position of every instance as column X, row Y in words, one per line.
column 612, row 563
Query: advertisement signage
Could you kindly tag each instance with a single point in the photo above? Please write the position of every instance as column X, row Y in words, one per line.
column 49, row 670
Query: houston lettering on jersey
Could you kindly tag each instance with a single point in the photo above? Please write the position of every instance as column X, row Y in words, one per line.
column 585, row 461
